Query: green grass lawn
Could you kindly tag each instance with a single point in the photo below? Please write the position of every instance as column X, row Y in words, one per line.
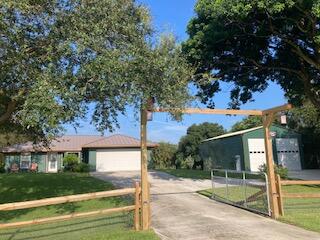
column 188, row 173
column 300, row 212
column 23, row 187
column 237, row 194
column 203, row 174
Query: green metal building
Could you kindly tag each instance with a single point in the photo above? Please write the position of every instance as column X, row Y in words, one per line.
column 245, row 150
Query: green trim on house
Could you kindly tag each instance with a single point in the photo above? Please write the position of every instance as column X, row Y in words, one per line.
column 10, row 159
column 40, row 159
column 89, row 156
column 92, row 159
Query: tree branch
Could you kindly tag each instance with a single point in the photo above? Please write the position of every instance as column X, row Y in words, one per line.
column 10, row 109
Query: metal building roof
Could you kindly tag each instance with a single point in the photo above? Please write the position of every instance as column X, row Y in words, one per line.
column 233, row 134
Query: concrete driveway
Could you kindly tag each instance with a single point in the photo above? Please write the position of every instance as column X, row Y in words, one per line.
column 180, row 213
column 312, row 174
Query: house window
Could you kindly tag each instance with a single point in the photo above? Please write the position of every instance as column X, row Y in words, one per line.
column 25, row 161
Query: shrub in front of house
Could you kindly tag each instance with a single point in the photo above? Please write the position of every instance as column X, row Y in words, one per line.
column 72, row 163
column 82, row 167
column 2, row 166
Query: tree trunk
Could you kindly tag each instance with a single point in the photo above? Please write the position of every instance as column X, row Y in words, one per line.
column 11, row 106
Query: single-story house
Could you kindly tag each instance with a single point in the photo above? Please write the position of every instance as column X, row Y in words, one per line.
column 245, row 150
column 103, row 154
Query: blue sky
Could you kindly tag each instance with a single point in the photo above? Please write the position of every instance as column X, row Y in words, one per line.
column 173, row 16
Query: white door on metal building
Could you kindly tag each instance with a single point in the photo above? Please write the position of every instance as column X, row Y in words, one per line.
column 257, row 154
column 288, row 153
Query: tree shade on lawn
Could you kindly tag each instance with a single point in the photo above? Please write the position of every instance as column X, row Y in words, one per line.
column 111, row 227
column 23, row 187
column 188, row 173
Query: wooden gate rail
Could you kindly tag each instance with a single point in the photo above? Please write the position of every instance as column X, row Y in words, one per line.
column 76, row 198
column 282, row 195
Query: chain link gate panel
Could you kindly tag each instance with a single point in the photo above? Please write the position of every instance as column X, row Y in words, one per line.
column 248, row 190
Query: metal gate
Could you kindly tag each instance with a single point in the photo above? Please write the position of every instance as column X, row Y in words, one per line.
column 248, row 190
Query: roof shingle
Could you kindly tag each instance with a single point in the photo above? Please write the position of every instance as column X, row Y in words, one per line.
column 75, row 143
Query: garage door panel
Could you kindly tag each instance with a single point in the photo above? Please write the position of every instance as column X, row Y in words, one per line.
column 287, row 144
column 118, row 160
column 288, row 153
column 256, row 153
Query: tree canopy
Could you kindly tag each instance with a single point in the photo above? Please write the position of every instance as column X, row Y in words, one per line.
column 189, row 144
column 246, row 123
column 250, row 43
column 59, row 57
column 306, row 120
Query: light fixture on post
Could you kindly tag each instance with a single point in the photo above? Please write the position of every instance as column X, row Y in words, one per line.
column 283, row 118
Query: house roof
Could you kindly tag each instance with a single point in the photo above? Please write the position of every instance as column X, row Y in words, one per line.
column 233, row 134
column 118, row 141
column 75, row 143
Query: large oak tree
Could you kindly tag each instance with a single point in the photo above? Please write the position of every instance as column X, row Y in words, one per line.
column 250, row 43
column 188, row 146
column 58, row 57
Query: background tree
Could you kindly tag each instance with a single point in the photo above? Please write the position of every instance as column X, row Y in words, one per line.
column 246, row 123
column 306, row 120
column 249, row 43
column 162, row 157
column 189, row 144
column 58, row 57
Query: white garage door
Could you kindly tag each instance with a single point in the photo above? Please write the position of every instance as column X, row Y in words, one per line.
column 288, row 153
column 111, row 160
column 256, row 153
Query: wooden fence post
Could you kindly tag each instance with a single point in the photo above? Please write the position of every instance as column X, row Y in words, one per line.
column 280, row 198
column 149, row 206
column 267, row 121
column 137, row 207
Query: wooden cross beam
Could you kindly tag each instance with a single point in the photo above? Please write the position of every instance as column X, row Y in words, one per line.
column 211, row 111
column 226, row 111
column 284, row 107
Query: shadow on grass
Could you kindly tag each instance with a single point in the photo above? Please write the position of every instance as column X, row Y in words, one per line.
column 78, row 227
column 26, row 186
column 63, row 209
